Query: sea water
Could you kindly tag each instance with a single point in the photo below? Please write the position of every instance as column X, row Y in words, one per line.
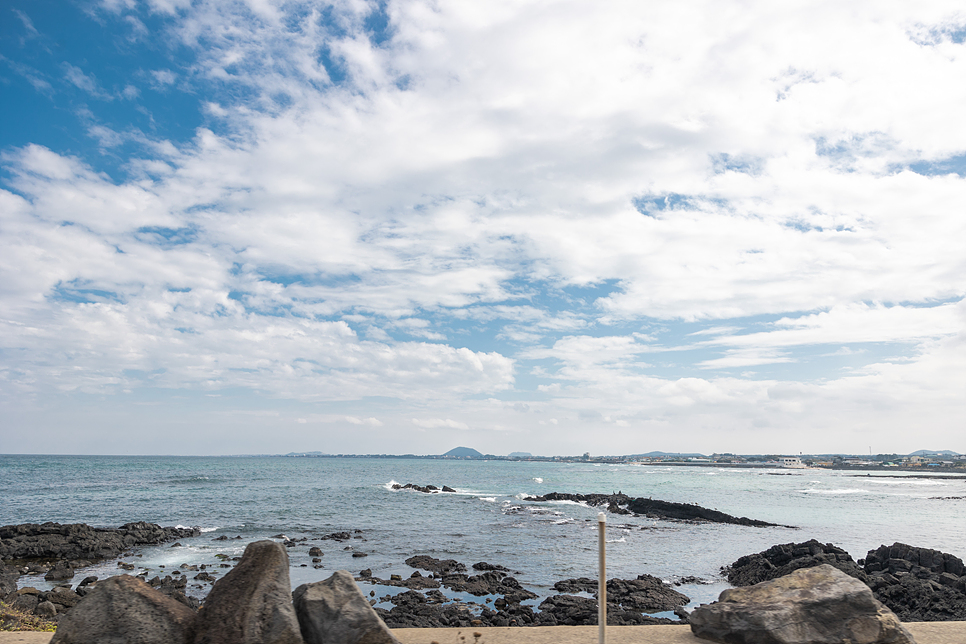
column 486, row 519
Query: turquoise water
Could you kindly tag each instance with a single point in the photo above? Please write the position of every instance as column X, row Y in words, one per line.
column 485, row 520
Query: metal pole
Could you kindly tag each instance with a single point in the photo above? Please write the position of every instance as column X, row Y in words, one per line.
column 602, row 580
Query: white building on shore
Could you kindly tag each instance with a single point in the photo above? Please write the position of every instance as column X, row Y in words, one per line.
column 791, row 462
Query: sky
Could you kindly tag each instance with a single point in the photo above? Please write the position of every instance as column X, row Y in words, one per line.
column 259, row 226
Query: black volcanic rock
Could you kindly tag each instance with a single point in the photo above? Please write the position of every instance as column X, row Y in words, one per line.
column 623, row 504
column 568, row 610
column 644, row 594
column 80, row 541
column 782, row 559
column 433, row 564
column 917, row 584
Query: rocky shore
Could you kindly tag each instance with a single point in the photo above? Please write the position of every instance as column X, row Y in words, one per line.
column 918, row 584
column 79, row 542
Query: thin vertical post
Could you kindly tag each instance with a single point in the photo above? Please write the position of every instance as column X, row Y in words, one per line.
column 602, row 580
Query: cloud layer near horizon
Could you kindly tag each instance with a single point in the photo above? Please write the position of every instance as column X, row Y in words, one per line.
column 552, row 227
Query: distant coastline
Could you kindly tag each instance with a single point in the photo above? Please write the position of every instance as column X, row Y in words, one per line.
column 822, row 461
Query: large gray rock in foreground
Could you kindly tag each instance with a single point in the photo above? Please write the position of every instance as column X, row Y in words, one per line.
column 124, row 610
column 334, row 611
column 819, row 605
column 252, row 604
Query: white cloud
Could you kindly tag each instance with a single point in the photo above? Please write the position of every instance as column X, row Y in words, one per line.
column 374, row 422
column 432, row 423
column 516, row 183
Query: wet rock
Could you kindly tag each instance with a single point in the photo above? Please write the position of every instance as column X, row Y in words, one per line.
column 337, row 536
column 315, row 551
column 818, row 605
column 425, row 562
column 335, row 610
column 568, row 610
column 489, row 583
column 62, row 570
column 644, row 594
column 483, row 566
column 252, row 603
column 124, row 609
column 63, row 598
column 81, row 541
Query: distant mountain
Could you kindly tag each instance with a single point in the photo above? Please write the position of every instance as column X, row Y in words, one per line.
column 929, row 452
column 463, row 452
column 520, row 455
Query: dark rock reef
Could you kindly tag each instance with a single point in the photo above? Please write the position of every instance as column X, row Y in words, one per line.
column 425, row 489
column 622, row 504
column 78, row 541
column 644, row 594
column 628, row 599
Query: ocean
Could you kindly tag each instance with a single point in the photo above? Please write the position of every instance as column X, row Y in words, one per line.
column 484, row 520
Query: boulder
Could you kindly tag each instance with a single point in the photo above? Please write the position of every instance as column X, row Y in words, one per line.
column 25, row 602
column 818, row 605
column 433, row 564
column 252, row 604
column 8, row 581
column 124, row 610
column 335, row 611
column 60, row 572
column 45, row 610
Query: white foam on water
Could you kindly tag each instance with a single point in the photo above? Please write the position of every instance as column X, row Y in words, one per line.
column 389, row 485
column 537, row 479
column 841, row 491
column 621, row 540
column 188, row 527
column 489, row 499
